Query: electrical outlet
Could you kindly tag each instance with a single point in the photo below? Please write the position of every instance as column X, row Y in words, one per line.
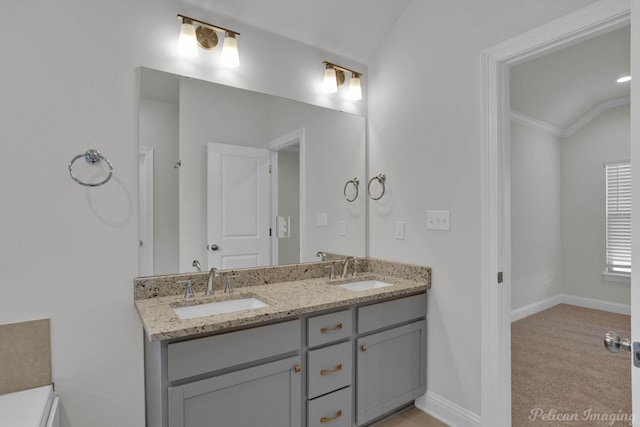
column 545, row 282
column 438, row 220
column 399, row 230
column 342, row 227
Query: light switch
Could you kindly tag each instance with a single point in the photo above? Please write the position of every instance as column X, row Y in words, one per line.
column 321, row 220
column 400, row 230
column 342, row 228
column 283, row 226
column 438, row 220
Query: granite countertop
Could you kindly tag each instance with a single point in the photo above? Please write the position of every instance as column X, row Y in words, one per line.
column 285, row 300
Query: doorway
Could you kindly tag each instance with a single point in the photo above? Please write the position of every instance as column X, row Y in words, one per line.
column 288, row 198
column 591, row 21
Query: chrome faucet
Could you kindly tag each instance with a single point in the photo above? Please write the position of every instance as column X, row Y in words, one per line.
column 227, row 286
column 346, row 265
column 323, row 255
column 213, row 273
column 196, row 264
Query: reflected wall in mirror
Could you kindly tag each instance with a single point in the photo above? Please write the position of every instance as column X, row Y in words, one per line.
column 221, row 165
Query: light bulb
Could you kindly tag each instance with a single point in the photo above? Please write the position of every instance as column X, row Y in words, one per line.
column 187, row 42
column 330, row 82
column 230, row 57
column 355, row 90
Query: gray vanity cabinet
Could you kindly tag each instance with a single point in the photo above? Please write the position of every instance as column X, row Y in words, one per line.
column 346, row 368
column 390, row 360
column 268, row 395
column 391, row 370
column 249, row 377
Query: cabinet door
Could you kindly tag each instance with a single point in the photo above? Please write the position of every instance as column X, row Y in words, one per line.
column 391, row 370
column 267, row 395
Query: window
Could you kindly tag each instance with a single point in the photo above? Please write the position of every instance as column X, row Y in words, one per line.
column 618, row 211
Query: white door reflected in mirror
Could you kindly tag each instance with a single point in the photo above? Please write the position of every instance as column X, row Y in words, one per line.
column 238, row 194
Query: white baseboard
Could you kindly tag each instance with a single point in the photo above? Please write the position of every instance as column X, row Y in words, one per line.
column 446, row 411
column 539, row 306
column 535, row 307
column 612, row 307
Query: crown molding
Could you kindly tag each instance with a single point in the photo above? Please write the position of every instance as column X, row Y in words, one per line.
column 577, row 125
column 603, row 106
column 540, row 125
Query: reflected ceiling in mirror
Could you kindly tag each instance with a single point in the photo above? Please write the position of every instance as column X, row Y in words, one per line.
column 311, row 152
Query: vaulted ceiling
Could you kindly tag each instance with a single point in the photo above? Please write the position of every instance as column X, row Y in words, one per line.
column 563, row 87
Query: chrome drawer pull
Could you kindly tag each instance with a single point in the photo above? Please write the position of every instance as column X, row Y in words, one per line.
column 331, row 371
column 325, row 330
column 329, row 419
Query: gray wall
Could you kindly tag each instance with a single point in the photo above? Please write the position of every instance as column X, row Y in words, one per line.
column 558, row 210
column 536, row 216
column 424, row 115
column 583, row 207
column 289, row 204
column 159, row 130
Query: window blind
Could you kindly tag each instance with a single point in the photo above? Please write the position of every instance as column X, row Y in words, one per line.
column 618, row 227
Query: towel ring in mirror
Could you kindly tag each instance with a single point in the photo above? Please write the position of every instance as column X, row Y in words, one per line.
column 356, row 183
column 381, row 179
column 91, row 157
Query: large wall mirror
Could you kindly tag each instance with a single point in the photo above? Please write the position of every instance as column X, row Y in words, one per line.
column 231, row 178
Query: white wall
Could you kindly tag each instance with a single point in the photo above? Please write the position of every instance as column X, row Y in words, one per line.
column 583, row 208
column 536, row 216
column 69, row 252
column 424, row 133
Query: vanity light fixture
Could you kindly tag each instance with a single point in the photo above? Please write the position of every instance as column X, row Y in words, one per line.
column 624, row 79
column 334, row 76
column 205, row 35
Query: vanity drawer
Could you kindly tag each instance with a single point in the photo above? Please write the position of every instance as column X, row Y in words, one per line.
column 201, row 355
column 329, row 328
column 329, row 369
column 384, row 314
column 331, row 410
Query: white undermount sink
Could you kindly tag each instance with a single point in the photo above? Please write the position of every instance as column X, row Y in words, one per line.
column 220, row 307
column 364, row 285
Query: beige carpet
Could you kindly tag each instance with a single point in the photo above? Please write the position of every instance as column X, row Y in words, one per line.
column 561, row 373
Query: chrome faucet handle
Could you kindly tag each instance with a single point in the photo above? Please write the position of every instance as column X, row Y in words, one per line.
column 332, row 271
column 227, row 287
column 188, row 292
column 355, row 267
column 323, row 255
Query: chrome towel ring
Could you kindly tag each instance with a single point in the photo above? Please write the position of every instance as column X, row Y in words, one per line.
column 91, row 157
column 381, row 178
column 356, row 183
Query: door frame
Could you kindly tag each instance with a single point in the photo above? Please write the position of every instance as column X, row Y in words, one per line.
column 593, row 20
column 295, row 137
column 146, row 233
